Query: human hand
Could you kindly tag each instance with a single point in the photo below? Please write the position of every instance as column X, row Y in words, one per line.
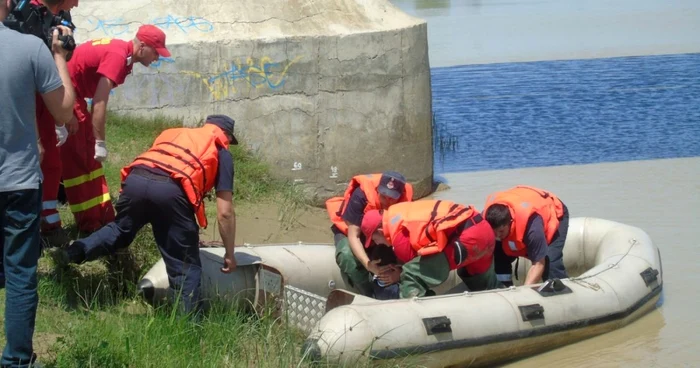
column 100, row 151
column 57, row 44
column 374, row 267
column 61, row 134
column 390, row 276
column 72, row 125
column 41, row 151
column 229, row 263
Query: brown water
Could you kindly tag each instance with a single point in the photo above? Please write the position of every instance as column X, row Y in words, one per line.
column 663, row 198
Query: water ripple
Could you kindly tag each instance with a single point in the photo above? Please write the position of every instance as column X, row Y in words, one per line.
column 566, row 112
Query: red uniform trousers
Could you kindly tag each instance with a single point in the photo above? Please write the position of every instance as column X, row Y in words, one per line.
column 50, row 167
column 83, row 177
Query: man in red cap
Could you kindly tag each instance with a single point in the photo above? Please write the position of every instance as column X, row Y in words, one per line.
column 97, row 66
column 430, row 238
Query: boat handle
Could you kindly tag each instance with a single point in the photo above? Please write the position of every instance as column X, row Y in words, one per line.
column 531, row 312
column 649, row 275
column 435, row 325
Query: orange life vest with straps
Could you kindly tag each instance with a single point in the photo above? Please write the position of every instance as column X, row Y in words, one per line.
column 368, row 183
column 429, row 223
column 191, row 157
column 524, row 201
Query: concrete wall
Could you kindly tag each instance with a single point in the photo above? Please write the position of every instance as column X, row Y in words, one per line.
column 323, row 89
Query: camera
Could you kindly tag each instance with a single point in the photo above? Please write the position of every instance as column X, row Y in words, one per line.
column 37, row 20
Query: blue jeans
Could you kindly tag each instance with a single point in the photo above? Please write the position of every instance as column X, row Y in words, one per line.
column 20, row 219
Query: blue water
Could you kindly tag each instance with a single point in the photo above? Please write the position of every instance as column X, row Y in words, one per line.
column 498, row 116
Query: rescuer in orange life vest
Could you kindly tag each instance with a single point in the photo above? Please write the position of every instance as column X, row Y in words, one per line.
column 364, row 193
column 528, row 222
column 430, row 238
column 165, row 186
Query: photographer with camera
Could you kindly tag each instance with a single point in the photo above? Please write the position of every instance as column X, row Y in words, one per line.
column 40, row 18
column 28, row 68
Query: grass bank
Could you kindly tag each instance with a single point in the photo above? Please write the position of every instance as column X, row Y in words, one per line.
column 89, row 315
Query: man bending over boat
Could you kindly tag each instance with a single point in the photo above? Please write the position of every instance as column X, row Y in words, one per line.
column 364, row 193
column 165, row 186
column 431, row 238
column 532, row 223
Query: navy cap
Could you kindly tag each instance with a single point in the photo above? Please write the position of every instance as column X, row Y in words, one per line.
column 392, row 184
column 225, row 123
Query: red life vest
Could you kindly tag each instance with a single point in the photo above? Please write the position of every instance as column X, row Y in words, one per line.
column 368, row 183
column 429, row 223
column 524, row 201
column 191, row 156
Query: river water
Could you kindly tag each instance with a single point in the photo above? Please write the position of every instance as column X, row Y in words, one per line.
column 597, row 101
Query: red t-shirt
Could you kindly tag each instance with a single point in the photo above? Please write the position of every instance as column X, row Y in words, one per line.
column 94, row 59
column 402, row 246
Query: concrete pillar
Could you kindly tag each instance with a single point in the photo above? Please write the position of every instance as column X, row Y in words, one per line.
column 322, row 89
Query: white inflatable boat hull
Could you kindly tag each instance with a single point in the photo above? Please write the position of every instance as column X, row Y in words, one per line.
column 620, row 279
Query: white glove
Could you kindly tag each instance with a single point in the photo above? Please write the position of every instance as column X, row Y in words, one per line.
column 61, row 134
column 100, row 151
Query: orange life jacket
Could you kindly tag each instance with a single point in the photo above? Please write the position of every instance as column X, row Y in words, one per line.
column 524, row 201
column 368, row 183
column 429, row 223
column 191, row 157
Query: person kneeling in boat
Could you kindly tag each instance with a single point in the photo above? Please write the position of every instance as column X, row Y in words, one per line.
column 364, row 193
column 431, row 238
column 165, row 186
column 528, row 222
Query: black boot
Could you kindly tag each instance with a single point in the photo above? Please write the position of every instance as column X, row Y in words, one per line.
column 74, row 253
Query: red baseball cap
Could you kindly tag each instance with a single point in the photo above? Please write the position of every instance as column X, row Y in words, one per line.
column 154, row 37
column 370, row 223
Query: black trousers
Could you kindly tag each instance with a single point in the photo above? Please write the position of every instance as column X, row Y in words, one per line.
column 149, row 198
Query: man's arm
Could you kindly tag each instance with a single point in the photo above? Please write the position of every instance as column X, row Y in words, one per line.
column 226, row 218
column 58, row 101
column 536, row 243
column 40, row 147
column 99, row 107
column 225, row 213
column 353, row 216
column 356, row 246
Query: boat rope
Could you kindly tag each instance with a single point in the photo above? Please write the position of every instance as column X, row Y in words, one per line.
column 632, row 242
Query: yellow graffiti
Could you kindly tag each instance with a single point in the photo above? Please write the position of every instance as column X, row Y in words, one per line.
column 258, row 74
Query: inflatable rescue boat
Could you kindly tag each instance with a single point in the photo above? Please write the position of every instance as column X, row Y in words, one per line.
column 615, row 278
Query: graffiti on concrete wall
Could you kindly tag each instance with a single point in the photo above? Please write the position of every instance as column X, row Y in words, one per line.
column 184, row 24
column 118, row 26
column 298, row 166
column 174, row 87
column 256, row 73
column 162, row 61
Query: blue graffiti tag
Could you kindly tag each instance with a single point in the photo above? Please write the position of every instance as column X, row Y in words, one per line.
column 118, row 26
column 167, row 60
column 184, row 23
column 110, row 27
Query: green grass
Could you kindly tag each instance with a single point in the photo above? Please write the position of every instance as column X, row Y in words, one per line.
column 90, row 316
column 128, row 136
column 134, row 334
